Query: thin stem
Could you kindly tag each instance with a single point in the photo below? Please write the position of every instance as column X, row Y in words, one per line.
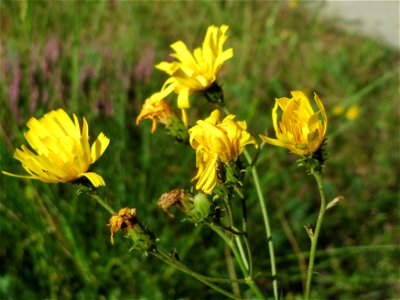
column 167, row 259
column 241, row 251
column 238, row 257
column 244, row 228
column 172, row 262
column 231, row 245
column 102, row 203
column 267, row 225
column 314, row 237
column 301, row 260
column 232, row 230
column 228, row 254
column 230, row 264
column 264, row 211
column 230, row 220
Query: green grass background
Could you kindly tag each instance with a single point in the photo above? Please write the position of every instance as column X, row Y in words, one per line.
column 96, row 59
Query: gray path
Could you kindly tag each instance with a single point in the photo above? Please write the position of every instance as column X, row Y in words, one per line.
column 379, row 19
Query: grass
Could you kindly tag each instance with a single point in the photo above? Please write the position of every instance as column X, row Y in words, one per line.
column 96, row 60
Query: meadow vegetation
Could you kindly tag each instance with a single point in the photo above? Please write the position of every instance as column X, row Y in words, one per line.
column 96, row 59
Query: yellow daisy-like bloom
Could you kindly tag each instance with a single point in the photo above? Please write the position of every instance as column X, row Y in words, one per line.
column 198, row 71
column 353, row 112
column 156, row 110
column 300, row 128
column 216, row 141
column 62, row 150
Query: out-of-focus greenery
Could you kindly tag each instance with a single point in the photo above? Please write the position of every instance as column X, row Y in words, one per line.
column 96, row 59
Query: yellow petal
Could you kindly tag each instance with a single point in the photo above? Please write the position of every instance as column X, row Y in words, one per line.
column 322, row 110
column 95, row 179
column 183, row 98
column 182, row 53
column 99, row 146
column 184, row 117
column 18, row 176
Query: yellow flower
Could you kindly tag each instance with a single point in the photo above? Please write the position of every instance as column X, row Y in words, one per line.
column 62, row 150
column 156, row 110
column 300, row 129
column 352, row 112
column 216, row 141
column 198, row 71
column 338, row 110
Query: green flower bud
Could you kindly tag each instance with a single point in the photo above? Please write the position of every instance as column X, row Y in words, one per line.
column 202, row 204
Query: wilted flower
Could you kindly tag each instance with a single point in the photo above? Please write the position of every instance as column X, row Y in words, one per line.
column 171, row 198
column 123, row 220
column 300, row 128
column 156, row 110
column 195, row 207
column 126, row 220
column 161, row 111
column 215, row 142
column 62, row 150
column 198, row 71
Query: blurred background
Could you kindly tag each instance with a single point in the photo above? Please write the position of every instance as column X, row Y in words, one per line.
column 96, row 59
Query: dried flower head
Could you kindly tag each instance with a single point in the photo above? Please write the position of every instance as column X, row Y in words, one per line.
column 169, row 199
column 156, row 110
column 196, row 208
column 124, row 220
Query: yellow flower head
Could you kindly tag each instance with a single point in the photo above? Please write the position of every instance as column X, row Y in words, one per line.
column 62, row 150
column 300, row 128
column 216, row 141
column 198, row 71
column 156, row 110
column 353, row 112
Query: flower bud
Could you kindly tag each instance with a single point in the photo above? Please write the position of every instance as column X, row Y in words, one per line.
column 196, row 208
column 202, row 204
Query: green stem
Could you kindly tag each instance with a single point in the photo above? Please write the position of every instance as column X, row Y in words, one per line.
column 314, row 237
column 264, row 211
column 230, row 220
column 267, row 225
column 172, row 262
column 249, row 280
column 102, row 203
column 232, row 230
column 231, row 245
column 301, row 260
column 230, row 264
column 244, row 228
column 168, row 260
column 228, row 256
